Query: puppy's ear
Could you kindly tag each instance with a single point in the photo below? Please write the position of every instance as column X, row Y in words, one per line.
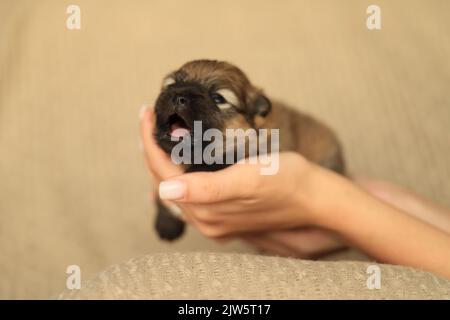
column 259, row 104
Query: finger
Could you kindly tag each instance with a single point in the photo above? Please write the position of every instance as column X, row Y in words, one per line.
column 223, row 240
column 268, row 246
column 176, row 210
column 157, row 160
column 309, row 242
column 225, row 212
column 235, row 182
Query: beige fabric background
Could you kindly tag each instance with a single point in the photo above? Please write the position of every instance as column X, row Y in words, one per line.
column 242, row 276
column 72, row 182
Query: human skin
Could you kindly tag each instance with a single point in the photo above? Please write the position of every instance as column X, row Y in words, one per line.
column 314, row 242
column 302, row 197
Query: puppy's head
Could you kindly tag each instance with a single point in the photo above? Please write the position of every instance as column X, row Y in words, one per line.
column 216, row 93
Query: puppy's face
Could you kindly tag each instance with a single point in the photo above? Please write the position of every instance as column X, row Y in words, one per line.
column 216, row 93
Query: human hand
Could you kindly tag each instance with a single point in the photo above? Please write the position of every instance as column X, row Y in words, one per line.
column 235, row 200
column 238, row 201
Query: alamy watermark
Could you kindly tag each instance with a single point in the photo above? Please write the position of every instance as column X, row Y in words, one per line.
column 236, row 146
column 73, row 21
column 374, row 279
column 373, row 21
column 73, row 281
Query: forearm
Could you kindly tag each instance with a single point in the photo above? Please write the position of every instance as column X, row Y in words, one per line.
column 406, row 200
column 387, row 234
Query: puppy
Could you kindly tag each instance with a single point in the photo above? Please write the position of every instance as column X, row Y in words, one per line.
column 221, row 96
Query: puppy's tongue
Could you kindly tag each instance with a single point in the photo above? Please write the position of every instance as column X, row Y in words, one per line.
column 178, row 131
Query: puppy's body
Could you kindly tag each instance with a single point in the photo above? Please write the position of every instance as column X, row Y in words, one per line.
column 220, row 95
column 301, row 133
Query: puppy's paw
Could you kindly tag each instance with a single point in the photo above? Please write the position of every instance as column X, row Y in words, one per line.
column 168, row 227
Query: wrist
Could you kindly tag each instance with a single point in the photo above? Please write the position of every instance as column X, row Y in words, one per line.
column 321, row 196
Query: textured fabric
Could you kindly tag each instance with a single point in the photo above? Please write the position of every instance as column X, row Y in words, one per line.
column 73, row 186
column 239, row 276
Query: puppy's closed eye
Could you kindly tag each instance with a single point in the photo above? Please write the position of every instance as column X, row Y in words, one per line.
column 218, row 99
column 225, row 98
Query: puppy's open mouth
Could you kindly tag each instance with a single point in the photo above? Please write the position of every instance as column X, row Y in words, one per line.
column 177, row 126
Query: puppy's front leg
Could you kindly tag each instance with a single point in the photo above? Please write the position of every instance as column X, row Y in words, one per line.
column 167, row 225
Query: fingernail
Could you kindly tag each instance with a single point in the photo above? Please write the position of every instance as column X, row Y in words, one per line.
column 172, row 190
column 142, row 111
column 174, row 209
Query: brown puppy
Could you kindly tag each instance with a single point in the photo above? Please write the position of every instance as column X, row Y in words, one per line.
column 220, row 96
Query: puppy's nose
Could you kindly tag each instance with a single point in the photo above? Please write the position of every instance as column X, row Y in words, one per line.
column 180, row 100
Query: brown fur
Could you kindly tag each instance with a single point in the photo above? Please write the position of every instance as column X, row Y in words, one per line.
column 298, row 131
column 309, row 137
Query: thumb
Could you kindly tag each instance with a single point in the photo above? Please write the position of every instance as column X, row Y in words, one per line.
column 236, row 182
